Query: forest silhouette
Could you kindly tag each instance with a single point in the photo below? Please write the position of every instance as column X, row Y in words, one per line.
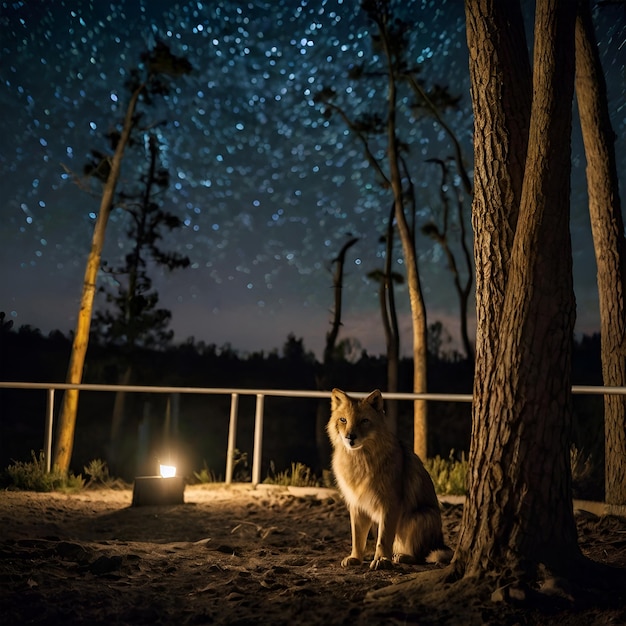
column 201, row 428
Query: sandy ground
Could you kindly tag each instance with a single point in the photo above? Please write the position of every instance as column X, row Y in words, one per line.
column 237, row 556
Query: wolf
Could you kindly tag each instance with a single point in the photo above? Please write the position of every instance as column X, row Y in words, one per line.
column 384, row 483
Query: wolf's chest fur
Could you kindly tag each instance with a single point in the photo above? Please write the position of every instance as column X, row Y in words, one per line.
column 366, row 482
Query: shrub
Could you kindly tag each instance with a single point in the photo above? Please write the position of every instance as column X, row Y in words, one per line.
column 241, row 469
column 299, row 476
column 33, row 476
column 449, row 475
column 587, row 474
column 99, row 476
column 206, row 475
column 98, row 472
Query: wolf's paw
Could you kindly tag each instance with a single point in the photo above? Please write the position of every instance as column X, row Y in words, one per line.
column 404, row 558
column 381, row 562
column 350, row 561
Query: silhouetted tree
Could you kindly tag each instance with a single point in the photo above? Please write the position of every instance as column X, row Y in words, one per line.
column 145, row 82
column 389, row 314
column 294, row 351
column 389, row 39
column 441, row 234
column 133, row 318
column 325, row 370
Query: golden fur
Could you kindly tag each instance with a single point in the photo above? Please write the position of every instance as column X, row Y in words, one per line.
column 384, row 483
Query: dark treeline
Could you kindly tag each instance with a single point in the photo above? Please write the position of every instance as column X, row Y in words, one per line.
column 199, row 423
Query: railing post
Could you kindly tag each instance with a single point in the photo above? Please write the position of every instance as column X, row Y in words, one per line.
column 258, row 440
column 232, row 437
column 47, row 444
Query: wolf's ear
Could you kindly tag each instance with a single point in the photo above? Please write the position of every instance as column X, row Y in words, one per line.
column 375, row 399
column 337, row 398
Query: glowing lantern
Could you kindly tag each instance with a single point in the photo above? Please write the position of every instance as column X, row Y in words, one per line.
column 167, row 471
column 165, row 489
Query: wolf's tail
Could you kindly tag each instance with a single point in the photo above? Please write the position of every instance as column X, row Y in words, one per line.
column 441, row 556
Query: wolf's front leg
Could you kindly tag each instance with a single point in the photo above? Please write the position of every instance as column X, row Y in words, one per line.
column 384, row 543
column 360, row 525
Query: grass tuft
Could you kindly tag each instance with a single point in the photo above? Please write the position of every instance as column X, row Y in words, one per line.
column 449, row 475
column 299, row 476
column 33, row 476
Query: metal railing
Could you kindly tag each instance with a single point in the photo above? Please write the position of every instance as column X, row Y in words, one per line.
column 234, row 393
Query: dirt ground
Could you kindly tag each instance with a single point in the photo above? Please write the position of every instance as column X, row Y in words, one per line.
column 239, row 555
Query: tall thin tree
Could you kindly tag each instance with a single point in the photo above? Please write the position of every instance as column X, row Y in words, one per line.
column 389, row 39
column 441, row 234
column 607, row 227
column 132, row 318
column 387, row 278
column 157, row 64
column 324, row 372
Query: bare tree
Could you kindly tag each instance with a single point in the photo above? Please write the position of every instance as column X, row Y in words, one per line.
column 441, row 234
column 324, row 373
column 389, row 314
column 389, row 39
column 607, row 226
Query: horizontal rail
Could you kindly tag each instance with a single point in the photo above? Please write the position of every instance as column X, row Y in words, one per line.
column 260, row 394
column 285, row 393
column 279, row 393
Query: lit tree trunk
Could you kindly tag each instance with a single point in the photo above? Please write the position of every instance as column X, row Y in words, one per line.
column 407, row 238
column 67, row 419
column 518, row 525
column 418, row 316
column 607, row 226
column 518, row 513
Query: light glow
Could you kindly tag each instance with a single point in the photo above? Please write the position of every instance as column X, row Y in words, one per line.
column 167, row 471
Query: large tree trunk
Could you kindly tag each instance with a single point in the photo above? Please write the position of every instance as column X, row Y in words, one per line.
column 67, row 419
column 518, row 513
column 501, row 120
column 607, row 226
column 518, row 525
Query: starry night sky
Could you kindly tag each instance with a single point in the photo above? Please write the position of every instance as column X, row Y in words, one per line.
column 268, row 188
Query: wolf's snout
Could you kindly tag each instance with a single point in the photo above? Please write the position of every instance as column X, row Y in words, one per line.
column 351, row 438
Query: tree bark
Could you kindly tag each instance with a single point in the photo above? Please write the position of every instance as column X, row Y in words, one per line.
column 607, row 226
column 496, row 42
column 67, row 419
column 518, row 513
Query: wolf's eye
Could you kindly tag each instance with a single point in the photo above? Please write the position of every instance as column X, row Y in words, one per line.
column 343, row 420
column 365, row 422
